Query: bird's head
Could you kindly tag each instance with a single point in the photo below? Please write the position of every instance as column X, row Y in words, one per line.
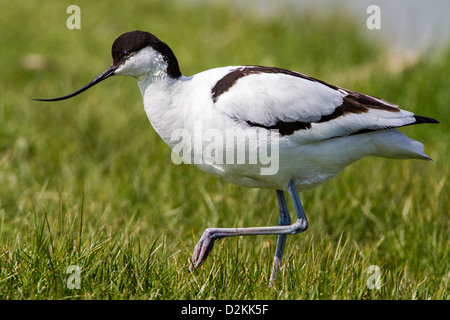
column 138, row 54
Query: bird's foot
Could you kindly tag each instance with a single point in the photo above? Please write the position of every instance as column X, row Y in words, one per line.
column 203, row 248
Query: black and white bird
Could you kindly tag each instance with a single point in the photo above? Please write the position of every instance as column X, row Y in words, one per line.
column 313, row 129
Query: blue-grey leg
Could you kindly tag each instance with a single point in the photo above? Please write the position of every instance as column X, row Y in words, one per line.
column 300, row 213
column 284, row 220
column 206, row 242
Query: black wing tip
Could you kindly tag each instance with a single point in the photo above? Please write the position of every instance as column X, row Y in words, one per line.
column 420, row 119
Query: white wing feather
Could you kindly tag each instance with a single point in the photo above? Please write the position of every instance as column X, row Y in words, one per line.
column 265, row 99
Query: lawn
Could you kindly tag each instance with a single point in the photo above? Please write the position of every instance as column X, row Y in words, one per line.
column 88, row 183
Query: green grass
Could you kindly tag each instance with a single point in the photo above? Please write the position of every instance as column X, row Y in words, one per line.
column 88, row 182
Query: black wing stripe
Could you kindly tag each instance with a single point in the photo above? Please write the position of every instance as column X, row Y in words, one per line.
column 353, row 103
column 224, row 84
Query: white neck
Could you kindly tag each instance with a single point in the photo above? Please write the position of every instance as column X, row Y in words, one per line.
column 159, row 92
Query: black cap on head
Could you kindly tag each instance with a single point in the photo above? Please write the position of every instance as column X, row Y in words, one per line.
column 134, row 41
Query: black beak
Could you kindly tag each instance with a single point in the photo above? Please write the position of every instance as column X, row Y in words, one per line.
column 108, row 73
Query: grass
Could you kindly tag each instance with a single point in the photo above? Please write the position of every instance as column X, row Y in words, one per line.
column 88, row 182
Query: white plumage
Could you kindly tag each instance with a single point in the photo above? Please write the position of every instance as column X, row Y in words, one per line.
column 309, row 156
column 313, row 129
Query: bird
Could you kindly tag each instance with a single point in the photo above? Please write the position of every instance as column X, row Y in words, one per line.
column 312, row 129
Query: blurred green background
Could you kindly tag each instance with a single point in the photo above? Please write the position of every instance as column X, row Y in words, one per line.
column 88, row 182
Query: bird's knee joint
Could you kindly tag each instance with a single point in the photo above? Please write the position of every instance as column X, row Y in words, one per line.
column 211, row 234
column 299, row 226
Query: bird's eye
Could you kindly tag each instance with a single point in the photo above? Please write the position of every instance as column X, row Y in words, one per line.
column 126, row 53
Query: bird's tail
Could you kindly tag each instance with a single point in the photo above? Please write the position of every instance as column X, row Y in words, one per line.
column 394, row 144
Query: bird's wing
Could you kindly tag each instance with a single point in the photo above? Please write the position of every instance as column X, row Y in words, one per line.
column 298, row 105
